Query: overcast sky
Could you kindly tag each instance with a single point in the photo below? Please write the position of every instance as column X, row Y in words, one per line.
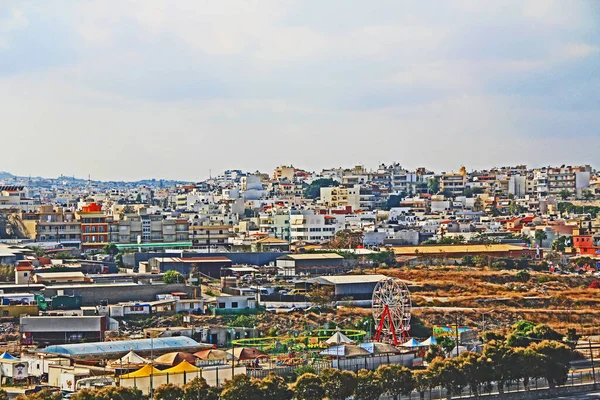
column 170, row 89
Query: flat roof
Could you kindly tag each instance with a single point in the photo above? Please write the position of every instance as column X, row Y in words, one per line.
column 49, row 275
column 449, row 249
column 348, row 279
column 153, row 245
column 192, row 259
column 312, row 256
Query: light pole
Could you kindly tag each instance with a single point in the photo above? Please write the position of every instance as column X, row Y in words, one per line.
column 483, row 314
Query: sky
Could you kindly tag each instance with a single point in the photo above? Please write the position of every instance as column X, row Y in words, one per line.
column 126, row 90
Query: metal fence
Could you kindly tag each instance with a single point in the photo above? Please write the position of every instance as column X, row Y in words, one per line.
column 515, row 387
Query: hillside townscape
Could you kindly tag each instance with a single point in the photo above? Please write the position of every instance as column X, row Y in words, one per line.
column 299, row 284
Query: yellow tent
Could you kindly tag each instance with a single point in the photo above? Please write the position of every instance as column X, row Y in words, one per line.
column 143, row 372
column 182, row 367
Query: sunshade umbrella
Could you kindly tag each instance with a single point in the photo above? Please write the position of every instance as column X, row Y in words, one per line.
column 214, row 354
column 345, row 350
column 247, row 353
column 172, row 359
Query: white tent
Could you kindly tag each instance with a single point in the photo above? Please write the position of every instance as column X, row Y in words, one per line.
column 339, row 338
column 129, row 360
column 431, row 341
column 411, row 343
column 461, row 349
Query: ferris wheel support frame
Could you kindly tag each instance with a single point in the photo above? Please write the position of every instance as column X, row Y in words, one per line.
column 386, row 314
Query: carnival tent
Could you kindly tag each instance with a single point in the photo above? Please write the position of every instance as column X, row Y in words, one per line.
column 7, row 356
column 431, row 341
column 182, row 367
column 172, row 359
column 339, row 338
column 214, row 354
column 143, row 372
column 345, row 350
column 246, row 353
column 129, row 361
column 411, row 343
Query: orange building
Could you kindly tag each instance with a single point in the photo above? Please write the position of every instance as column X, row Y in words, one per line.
column 94, row 227
column 584, row 245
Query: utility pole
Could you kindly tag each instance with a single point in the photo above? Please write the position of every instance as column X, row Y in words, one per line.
column 592, row 359
column 457, row 338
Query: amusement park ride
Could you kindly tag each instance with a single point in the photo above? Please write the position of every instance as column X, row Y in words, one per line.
column 391, row 311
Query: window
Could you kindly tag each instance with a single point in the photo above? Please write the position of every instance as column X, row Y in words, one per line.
column 5, row 313
column 24, row 273
column 221, row 305
column 234, row 304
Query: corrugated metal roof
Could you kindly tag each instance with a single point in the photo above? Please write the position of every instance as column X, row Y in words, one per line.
column 347, row 279
column 123, row 346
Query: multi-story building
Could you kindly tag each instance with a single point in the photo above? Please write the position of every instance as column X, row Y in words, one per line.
column 341, row 197
column 57, row 225
column 307, row 226
column 211, row 235
column 142, row 227
column 284, row 173
column 94, row 227
column 571, row 179
column 14, row 196
column 454, row 182
column 277, row 225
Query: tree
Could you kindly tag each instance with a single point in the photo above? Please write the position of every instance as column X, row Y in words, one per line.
column 346, row 239
column 168, row 391
column 120, row 393
column 433, row 185
column 564, row 194
column 241, row 387
column 368, row 386
column 396, row 380
column 540, row 236
column 111, row 249
column 173, row 276
column 500, row 356
column 273, row 387
column 138, row 198
column 468, row 192
column 560, row 244
column 447, row 374
column 313, row 190
column 393, row 201
column 85, row 394
column 524, row 333
column 198, row 389
column 338, row 385
column 3, row 394
column 308, row 387
column 523, row 275
column 588, row 195
column 555, row 361
column 433, row 353
column 422, row 382
column 45, row 394
column 475, row 369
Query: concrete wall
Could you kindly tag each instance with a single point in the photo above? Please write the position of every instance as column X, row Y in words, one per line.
column 93, row 294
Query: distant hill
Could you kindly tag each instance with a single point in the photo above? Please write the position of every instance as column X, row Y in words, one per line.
column 6, row 175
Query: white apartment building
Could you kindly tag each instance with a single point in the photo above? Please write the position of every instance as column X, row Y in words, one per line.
column 307, row 226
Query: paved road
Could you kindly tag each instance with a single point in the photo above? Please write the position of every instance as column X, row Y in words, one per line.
column 586, row 396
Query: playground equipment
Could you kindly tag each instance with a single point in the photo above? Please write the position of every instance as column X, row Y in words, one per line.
column 391, row 311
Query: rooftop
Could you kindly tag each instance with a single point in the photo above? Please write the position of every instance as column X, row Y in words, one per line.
column 347, row 279
column 449, row 249
column 313, row 256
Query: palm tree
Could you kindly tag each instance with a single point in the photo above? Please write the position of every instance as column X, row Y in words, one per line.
column 540, row 236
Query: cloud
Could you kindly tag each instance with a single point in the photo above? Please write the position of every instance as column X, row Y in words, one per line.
column 212, row 85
